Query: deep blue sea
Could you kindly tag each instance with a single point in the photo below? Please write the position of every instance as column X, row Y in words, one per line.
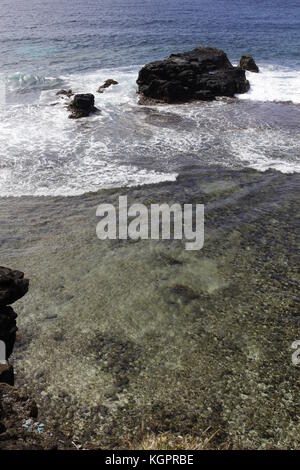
column 63, row 36
column 46, row 45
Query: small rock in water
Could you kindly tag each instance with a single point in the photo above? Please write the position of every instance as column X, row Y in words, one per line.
column 67, row 93
column 107, row 84
column 248, row 63
column 82, row 105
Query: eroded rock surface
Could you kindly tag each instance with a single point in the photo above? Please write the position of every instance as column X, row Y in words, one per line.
column 108, row 83
column 8, row 329
column 82, row 106
column 20, row 427
column 202, row 74
column 248, row 63
column 13, row 286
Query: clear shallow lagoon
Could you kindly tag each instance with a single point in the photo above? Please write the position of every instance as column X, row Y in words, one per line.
column 122, row 338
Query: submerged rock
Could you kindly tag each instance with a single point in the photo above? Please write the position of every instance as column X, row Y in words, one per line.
column 201, row 74
column 107, row 84
column 82, row 105
column 248, row 63
column 67, row 93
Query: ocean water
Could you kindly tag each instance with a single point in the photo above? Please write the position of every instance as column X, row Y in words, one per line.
column 45, row 46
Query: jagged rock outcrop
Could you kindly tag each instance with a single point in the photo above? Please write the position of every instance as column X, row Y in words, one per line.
column 82, row 106
column 7, row 375
column 107, row 84
column 202, row 74
column 248, row 63
column 13, row 286
column 19, row 424
column 8, row 329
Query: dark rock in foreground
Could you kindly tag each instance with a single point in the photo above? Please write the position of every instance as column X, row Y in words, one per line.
column 107, row 84
column 201, row 74
column 20, row 425
column 82, row 106
column 8, row 329
column 7, row 375
column 13, row 286
column 248, row 63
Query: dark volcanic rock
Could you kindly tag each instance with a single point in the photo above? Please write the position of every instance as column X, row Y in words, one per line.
column 107, row 84
column 67, row 93
column 8, row 329
column 202, row 74
column 7, row 375
column 248, row 63
column 82, row 105
column 19, row 424
column 12, row 286
column 19, row 428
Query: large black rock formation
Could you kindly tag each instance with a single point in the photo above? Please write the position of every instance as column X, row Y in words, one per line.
column 201, row 74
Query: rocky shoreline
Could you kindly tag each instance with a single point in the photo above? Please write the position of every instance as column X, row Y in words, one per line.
column 20, row 428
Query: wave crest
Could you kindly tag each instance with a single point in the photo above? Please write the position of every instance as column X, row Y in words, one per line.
column 22, row 82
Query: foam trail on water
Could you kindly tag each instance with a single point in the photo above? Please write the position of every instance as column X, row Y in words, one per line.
column 274, row 83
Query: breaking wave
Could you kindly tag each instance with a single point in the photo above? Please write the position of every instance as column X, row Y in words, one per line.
column 21, row 82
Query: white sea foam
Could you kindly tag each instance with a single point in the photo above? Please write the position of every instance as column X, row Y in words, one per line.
column 21, row 82
column 42, row 152
column 45, row 153
column 265, row 149
column 274, row 83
